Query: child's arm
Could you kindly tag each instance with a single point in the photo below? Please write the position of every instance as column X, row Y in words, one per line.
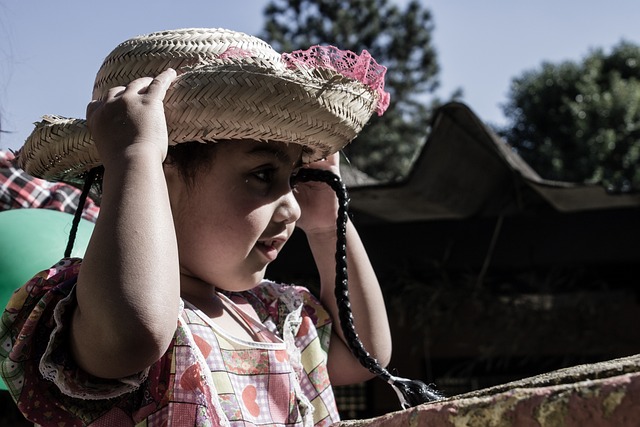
column 318, row 221
column 128, row 286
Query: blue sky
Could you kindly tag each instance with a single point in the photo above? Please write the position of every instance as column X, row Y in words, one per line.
column 50, row 51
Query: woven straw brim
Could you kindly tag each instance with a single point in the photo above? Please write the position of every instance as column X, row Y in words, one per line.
column 323, row 111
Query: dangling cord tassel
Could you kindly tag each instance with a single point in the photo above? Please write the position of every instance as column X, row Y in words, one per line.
column 88, row 182
column 410, row 392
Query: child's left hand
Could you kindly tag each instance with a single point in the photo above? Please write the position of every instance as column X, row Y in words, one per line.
column 318, row 201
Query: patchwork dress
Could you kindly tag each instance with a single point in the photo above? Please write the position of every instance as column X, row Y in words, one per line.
column 206, row 378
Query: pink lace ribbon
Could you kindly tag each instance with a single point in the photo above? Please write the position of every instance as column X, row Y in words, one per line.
column 361, row 67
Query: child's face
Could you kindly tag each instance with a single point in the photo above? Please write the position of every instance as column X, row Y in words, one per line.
column 241, row 211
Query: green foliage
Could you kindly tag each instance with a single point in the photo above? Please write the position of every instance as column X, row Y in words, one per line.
column 398, row 39
column 580, row 122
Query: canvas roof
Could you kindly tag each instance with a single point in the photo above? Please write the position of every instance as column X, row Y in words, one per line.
column 465, row 170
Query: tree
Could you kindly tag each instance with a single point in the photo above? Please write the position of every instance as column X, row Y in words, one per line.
column 580, row 121
column 398, row 39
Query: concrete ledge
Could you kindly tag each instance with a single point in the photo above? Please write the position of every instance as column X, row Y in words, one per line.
column 601, row 394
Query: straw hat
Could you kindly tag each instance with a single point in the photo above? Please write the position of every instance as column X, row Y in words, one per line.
column 230, row 86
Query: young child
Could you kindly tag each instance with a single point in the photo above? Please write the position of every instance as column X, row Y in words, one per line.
column 168, row 319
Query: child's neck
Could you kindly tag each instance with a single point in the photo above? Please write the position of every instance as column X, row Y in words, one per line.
column 224, row 313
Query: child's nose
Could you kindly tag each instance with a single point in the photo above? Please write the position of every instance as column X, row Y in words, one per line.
column 288, row 209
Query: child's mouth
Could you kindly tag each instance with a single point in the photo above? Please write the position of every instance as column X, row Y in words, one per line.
column 268, row 249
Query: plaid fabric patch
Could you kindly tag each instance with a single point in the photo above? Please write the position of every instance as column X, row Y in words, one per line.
column 20, row 190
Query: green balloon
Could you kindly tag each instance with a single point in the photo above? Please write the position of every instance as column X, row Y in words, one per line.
column 33, row 240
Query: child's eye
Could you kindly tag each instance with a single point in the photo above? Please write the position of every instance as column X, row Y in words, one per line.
column 264, row 175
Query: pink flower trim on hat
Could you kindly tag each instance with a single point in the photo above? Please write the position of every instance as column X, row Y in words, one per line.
column 361, row 67
column 236, row 52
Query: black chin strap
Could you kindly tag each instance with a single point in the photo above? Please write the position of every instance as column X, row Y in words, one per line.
column 410, row 392
column 88, row 182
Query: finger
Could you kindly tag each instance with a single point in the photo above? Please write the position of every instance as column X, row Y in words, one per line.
column 114, row 92
column 319, row 164
column 334, row 159
column 92, row 107
column 314, row 163
column 161, row 83
column 138, row 86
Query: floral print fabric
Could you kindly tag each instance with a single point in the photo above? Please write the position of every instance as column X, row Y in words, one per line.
column 206, row 377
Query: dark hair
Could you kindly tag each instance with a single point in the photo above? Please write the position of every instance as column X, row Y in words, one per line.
column 189, row 158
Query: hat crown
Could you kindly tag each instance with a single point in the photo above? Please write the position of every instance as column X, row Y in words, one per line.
column 150, row 54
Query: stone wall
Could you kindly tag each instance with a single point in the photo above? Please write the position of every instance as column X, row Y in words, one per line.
column 596, row 395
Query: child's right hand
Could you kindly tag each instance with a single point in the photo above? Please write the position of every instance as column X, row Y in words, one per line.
column 128, row 290
column 131, row 117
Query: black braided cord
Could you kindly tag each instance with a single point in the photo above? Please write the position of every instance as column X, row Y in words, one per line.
column 410, row 392
column 88, row 182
